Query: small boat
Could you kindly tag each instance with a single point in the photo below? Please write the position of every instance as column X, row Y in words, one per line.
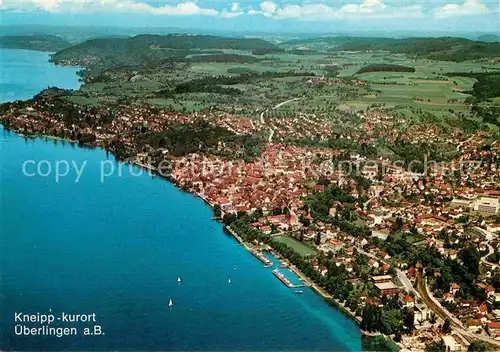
column 170, row 303
column 229, row 281
column 299, row 292
column 179, row 280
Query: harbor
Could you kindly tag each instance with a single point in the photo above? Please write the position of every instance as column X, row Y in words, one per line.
column 259, row 255
column 285, row 280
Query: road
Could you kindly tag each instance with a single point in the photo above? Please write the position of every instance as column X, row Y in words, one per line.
column 406, row 283
column 262, row 121
column 490, row 251
column 401, row 275
column 434, row 305
column 285, row 102
column 485, row 232
column 455, row 324
column 490, row 248
column 462, row 143
column 271, row 134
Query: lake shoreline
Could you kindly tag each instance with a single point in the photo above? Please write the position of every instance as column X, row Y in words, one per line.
column 153, row 172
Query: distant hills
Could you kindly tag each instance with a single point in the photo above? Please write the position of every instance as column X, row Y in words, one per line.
column 150, row 50
column 492, row 38
column 445, row 48
column 49, row 43
column 150, row 47
column 147, row 43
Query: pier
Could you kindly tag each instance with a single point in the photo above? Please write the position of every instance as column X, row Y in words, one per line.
column 284, row 279
column 259, row 255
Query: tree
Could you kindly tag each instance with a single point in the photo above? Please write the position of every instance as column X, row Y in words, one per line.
column 446, row 326
column 304, row 220
column 318, row 239
column 398, row 224
column 436, row 346
column 390, row 321
column 470, row 257
column 217, row 210
column 480, row 346
column 369, row 321
column 409, row 319
column 229, row 218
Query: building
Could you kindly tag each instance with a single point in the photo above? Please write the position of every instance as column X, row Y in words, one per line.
column 452, row 343
column 474, row 325
column 387, row 288
column 370, row 171
column 493, row 228
column 406, row 301
column 454, row 288
column 266, row 229
column 421, row 314
column 459, row 203
column 485, row 205
column 381, row 279
column 448, row 297
column 373, row 263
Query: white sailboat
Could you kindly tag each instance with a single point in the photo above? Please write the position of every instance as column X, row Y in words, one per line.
column 229, row 281
column 170, row 303
column 179, row 280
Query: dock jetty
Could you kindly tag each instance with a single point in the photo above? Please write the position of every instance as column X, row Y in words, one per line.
column 285, row 280
column 259, row 255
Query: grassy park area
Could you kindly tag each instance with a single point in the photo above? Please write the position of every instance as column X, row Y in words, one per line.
column 300, row 248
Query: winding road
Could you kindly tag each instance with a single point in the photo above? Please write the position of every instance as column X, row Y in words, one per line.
column 455, row 324
column 262, row 121
column 431, row 302
column 490, row 248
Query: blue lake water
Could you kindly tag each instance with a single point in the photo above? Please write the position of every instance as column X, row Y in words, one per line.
column 24, row 73
column 116, row 248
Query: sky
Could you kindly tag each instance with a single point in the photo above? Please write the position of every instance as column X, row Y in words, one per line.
column 301, row 16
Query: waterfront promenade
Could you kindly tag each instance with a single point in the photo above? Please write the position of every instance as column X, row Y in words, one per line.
column 307, row 282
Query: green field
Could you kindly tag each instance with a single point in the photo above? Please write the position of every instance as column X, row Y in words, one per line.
column 298, row 247
column 410, row 238
column 428, row 94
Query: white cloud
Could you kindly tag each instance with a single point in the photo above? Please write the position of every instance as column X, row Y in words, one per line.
column 469, row 7
column 290, row 11
column 234, row 12
column 369, row 6
column 369, row 9
column 230, row 14
column 180, row 9
column 308, row 10
column 186, row 8
column 317, row 12
column 268, row 8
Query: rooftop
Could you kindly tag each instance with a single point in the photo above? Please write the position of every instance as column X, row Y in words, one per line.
column 386, row 286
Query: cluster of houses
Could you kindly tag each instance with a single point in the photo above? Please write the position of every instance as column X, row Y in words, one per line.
column 300, row 126
column 476, row 315
column 277, row 180
column 430, row 206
